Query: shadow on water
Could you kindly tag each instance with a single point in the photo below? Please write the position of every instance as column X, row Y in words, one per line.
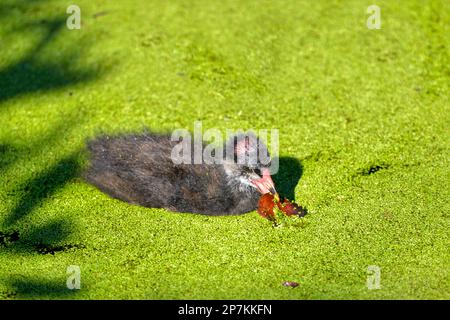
column 27, row 288
column 42, row 67
column 46, row 65
column 289, row 173
column 7, row 155
column 36, row 190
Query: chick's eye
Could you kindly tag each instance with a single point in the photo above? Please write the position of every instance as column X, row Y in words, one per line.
column 257, row 171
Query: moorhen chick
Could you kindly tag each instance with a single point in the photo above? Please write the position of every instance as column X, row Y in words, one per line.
column 139, row 169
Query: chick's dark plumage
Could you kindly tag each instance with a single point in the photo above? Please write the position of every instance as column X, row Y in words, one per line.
column 138, row 169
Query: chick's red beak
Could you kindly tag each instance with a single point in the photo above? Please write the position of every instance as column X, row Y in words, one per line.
column 265, row 184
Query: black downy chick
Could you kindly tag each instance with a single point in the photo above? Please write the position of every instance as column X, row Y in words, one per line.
column 139, row 169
